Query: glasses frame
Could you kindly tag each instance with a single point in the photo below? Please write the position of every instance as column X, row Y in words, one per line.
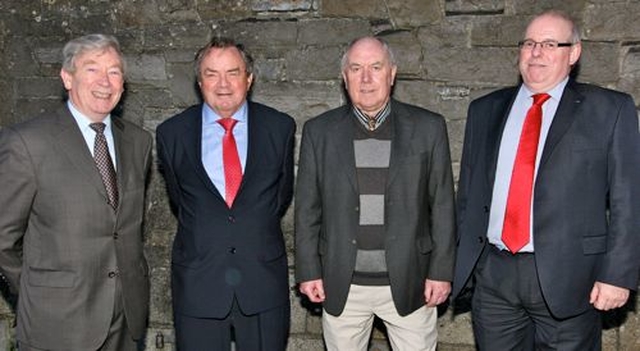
column 548, row 45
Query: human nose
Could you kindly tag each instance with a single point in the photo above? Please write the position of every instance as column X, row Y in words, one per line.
column 223, row 81
column 536, row 50
column 366, row 75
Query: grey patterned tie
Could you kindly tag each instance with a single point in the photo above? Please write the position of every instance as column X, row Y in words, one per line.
column 104, row 164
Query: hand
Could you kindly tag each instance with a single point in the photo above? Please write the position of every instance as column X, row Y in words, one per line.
column 436, row 292
column 314, row 289
column 606, row 297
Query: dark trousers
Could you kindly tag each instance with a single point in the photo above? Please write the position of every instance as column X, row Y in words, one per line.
column 509, row 311
column 266, row 331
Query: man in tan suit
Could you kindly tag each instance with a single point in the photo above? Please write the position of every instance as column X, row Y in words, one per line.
column 72, row 199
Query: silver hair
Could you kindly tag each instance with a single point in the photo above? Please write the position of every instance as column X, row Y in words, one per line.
column 385, row 47
column 575, row 31
column 90, row 42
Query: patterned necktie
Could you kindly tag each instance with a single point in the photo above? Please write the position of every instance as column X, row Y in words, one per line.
column 105, row 166
column 517, row 219
column 232, row 167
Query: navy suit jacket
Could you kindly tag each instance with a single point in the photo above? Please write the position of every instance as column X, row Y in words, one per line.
column 219, row 253
column 586, row 202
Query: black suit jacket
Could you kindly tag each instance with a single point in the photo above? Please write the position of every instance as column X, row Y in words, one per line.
column 219, row 253
column 586, row 198
column 419, row 208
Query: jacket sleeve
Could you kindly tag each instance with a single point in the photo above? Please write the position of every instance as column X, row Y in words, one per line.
column 441, row 203
column 285, row 189
column 17, row 176
column 308, row 212
column 621, row 264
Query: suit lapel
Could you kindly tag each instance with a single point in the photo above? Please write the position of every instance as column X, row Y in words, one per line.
column 73, row 145
column 340, row 144
column 564, row 117
column 256, row 133
column 192, row 141
column 401, row 142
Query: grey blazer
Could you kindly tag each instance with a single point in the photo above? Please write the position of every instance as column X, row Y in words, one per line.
column 62, row 248
column 419, row 206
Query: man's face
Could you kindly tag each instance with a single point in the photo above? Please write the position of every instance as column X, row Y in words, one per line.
column 368, row 76
column 97, row 83
column 224, row 80
column 542, row 69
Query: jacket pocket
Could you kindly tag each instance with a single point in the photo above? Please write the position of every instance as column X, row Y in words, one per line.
column 424, row 245
column 273, row 251
column 51, row 278
column 592, row 245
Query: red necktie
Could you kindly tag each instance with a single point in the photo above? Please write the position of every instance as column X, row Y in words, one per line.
column 517, row 219
column 232, row 167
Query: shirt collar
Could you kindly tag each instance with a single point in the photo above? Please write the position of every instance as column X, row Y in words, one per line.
column 209, row 116
column 372, row 123
column 84, row 121
column 555, row 92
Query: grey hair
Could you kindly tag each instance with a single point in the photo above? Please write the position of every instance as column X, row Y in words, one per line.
column 385, row 47
column 90, row 42
column 221, row 43
column 575, row 31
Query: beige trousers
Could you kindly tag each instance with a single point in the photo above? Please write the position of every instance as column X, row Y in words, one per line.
column 352, row 329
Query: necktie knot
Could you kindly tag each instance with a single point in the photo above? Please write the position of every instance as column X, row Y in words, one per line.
column 98, row 127
column 227, row 123
column 539, row 99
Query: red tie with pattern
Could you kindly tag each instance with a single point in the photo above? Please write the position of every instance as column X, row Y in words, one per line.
column 517, row 219
column 232, row 167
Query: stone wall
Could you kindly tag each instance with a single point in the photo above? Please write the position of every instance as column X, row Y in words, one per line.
column 450, row 52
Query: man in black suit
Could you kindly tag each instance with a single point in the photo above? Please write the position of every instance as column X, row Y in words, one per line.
column 229, row 186
column 374, row 210
column 548, row 254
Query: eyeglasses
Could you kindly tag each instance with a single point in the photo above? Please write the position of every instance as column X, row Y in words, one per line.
column 547, row 45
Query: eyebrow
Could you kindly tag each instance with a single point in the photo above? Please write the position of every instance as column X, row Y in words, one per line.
column 232, row 70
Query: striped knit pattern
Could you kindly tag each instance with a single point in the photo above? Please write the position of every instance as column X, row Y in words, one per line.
column 372, row 151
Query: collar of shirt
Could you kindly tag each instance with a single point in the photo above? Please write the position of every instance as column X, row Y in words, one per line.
column 372, row 123
column 555, row 92
column 209, row 116
column 89, row 134
column 84, row 121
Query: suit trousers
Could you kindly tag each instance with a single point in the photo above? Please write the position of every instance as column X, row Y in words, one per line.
column 509, row 311
column 118, row 338
column 352, row 329
column 265, row 331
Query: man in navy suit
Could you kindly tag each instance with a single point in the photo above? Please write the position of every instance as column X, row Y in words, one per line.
column 544, row 290
column 229, row 265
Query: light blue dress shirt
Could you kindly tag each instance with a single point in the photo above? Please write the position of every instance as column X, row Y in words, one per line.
column 90, row 134
column 212, row 133
column 507, row 156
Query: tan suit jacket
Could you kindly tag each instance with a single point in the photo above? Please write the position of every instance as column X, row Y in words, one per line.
column 62, row 247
